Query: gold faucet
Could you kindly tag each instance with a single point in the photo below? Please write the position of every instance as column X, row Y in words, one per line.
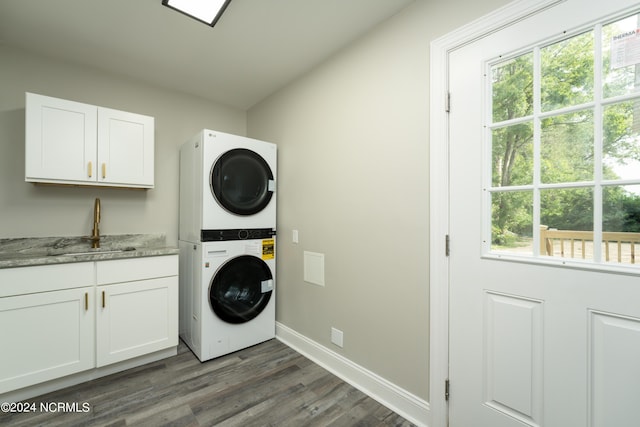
column 95, row 233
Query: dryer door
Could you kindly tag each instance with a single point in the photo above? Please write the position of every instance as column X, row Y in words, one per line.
column 241, row 289
column 242, row 182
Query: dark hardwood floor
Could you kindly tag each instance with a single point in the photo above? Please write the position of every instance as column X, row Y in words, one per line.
column 266, row 385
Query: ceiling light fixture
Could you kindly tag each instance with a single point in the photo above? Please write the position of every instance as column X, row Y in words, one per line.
column 207, row 11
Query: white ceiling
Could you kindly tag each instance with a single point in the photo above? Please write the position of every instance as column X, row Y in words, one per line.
column 256, row 48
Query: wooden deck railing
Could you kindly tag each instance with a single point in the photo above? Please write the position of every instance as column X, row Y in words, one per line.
column 579, row 244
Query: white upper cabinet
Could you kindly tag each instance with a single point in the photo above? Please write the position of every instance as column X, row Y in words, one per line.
column 61, row 140
column 70, row 142
column 125, row 148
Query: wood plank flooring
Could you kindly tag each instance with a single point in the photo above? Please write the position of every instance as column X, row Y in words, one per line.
column 265, row 385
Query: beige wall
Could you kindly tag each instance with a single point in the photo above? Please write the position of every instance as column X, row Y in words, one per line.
column 27, row 210
column 353, row 179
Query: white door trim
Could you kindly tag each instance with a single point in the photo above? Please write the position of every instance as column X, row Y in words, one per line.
column 439, row 187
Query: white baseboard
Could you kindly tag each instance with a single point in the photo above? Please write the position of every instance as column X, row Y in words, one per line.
column 402, row 402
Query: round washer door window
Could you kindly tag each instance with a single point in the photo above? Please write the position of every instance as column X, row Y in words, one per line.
column 241, row 181
column 241, row 289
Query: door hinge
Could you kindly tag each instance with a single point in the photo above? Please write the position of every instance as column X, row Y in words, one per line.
column 447, row 245
column 447, row 102
column 446, row 389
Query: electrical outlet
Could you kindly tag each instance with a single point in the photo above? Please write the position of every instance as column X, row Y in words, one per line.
column 294, row 236
column 337, row 337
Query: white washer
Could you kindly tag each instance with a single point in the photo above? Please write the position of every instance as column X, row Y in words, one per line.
column 227, row 299
column 227, row 182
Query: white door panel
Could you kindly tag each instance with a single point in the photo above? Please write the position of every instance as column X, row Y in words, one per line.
column 530, row 344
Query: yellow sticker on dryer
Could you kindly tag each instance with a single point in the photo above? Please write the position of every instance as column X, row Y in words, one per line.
column 268, row 249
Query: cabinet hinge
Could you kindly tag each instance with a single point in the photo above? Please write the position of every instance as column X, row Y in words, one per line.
column 447, row 245
column 447, row 102
column 446, row 389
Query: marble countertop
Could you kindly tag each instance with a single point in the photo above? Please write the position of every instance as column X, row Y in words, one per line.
column 29, row 251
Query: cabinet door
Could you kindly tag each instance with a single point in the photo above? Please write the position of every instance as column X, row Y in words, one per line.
column 61, row 140
column 125, row 148
column 136, row 318
column 45, row 336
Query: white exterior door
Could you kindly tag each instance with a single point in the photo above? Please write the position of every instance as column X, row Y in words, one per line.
column 535, row 340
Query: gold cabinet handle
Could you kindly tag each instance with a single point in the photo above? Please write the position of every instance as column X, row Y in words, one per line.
column 86, row 301
column 90, row 169
column 104, row 170
column 103, row 300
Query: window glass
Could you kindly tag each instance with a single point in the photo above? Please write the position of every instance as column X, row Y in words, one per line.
column 621, row 224
column 620, row 47
column 568, row 216
column 567, row 147
column 512, row 155
column 567, row 208
column 567, row 72
column 512, row 221
column 564, row 175
column 512, row 85
column 621, row 140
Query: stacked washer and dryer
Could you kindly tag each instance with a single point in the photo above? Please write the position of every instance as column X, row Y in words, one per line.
column 227, row 243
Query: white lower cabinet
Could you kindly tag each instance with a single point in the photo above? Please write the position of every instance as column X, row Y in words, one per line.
column 45, row 336
column 123, row 309
column 136, row 318
column 137, row 307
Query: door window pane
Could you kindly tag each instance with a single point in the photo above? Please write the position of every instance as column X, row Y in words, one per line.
column 567, row 72
column 512, row 219
column 512, row 87
column 620, row 50
column 567, row 216
column 621, row 142
column 512, row 155
column 567, row 148
column 621, row 224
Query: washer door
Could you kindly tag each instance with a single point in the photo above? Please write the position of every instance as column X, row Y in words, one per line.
column 242, row 182
column 241, row 289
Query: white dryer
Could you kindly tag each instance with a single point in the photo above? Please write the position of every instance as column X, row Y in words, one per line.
column 227, row 299
column 227, row 182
